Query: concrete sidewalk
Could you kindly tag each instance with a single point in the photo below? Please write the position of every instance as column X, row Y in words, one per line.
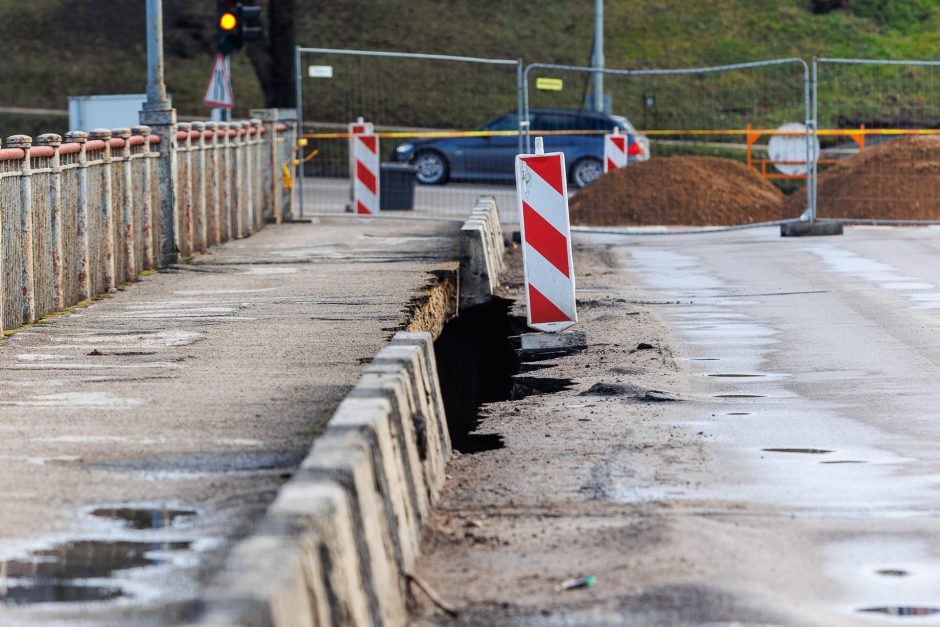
column 198, row 389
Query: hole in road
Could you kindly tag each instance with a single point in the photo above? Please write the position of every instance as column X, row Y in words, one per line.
column 739, row 396
column 902, row 610
column 739, row 413
column 476, row 363
column 143, row 518
column 845, row 461
column 56, row 574
column 735, row 375
column 892, row 572
column 809, row 451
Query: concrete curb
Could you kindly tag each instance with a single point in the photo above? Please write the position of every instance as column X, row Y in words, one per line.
column 482, row 251
column 336, row 543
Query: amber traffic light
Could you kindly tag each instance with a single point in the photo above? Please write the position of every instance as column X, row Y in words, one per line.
column 236, row 24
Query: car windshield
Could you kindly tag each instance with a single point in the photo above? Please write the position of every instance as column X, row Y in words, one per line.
column 509, row 122
column 623, row 122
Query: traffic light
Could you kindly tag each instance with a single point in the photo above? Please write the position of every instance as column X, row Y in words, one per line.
column 236, row 24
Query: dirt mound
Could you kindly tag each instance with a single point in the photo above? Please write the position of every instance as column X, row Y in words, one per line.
column 691, row 191
column 896, row 180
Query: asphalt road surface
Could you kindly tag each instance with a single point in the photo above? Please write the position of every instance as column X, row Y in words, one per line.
column 453, row 200
column 762, row 447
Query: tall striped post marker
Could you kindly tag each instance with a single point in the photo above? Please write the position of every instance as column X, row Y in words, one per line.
column 542, row 191
column 359, row 127
column 366, row 175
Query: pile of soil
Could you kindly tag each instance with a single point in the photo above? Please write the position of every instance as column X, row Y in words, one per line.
column 895, row 180
column 690, row 191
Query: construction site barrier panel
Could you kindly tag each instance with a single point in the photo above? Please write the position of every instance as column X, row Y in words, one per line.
column 449, row 129
column 702, row 138
column 877, row 122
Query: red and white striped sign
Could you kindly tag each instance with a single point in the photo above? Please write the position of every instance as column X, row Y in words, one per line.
column 615, row 151
column 359, row 127
column 366, row 175
column 542, row 189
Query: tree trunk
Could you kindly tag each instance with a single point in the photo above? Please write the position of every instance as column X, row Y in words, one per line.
column 273, row 57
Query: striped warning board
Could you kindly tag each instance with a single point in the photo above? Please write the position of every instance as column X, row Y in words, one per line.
column 359, row 127
column 615, row 150
column 542, row 189
column 366, row 175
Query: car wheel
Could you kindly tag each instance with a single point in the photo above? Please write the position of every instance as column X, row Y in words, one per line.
column 586, row 171
column 432, row 168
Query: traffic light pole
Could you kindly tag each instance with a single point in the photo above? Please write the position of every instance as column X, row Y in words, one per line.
column 220, row 114
column 160, row 116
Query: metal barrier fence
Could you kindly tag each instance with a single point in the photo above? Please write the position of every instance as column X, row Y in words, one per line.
column 686, row 115
column 880, row 156
column 448, row 128
column 81, row 217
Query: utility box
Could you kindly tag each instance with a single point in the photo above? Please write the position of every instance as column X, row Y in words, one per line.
column 397, row 186
column 109, row 111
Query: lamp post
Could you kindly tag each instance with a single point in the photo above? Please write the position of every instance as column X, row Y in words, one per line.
column 597, row 58
column 160, row 116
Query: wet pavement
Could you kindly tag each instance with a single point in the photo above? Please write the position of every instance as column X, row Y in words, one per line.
column 795, row 480
column 142, row 435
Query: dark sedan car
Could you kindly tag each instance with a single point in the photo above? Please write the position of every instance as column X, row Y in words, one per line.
column 492, row 158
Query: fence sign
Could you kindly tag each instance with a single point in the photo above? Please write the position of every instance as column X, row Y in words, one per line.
column 219, row 89
column 548, row 84
column 542, row 191
column 366, row 175
column 320, row 71
column 616, row 149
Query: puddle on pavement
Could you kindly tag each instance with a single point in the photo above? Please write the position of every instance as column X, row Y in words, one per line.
column 735, row 375
column 53, row 574
column 738, row 413
column 55, row 592
column 845, row 461
column 902, row 610
column 739, row 396
column 143, row 518
column 892, row 572
column 704, row 359
column 806, row 451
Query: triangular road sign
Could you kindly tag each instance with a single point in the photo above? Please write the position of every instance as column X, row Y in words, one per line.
column 219, row 89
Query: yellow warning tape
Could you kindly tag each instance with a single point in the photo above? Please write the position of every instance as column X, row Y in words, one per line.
column 714, row 132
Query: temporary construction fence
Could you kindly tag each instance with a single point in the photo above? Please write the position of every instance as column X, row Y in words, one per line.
column 447, row 128
column 684, row 117
column 82, row 214
column 878, row 124
column 763, row 124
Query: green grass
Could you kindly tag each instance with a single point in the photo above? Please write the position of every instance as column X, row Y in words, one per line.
column 68, row 47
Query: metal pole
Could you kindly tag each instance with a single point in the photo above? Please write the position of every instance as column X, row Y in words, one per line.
column 156, row 88
column 300, row 128
column 597, row 59
column 811, row 188
column 227, row 113
column 161, row 117
column 520, row 107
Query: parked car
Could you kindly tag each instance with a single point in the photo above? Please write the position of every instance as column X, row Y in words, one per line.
column 492, row 158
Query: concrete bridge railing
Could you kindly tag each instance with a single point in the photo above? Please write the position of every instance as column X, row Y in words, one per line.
column 81, row 214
